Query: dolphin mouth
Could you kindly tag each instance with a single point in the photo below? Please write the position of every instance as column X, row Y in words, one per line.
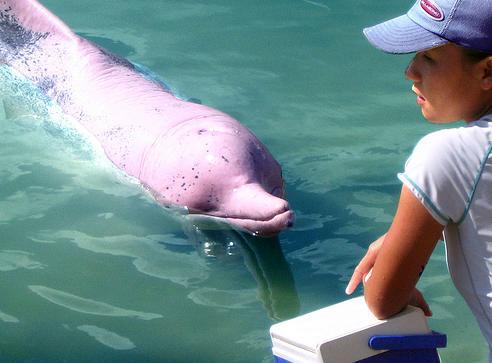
column 259, row 215
column 256, row 227
column 265, row 228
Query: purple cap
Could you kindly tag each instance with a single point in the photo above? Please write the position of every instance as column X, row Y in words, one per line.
column 430, row 23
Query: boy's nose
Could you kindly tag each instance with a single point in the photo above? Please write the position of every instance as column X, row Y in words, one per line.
column 411, row 71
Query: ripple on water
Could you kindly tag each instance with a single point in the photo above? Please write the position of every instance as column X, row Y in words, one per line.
column 374, row 197
column 334, row 256
column 88, row 306
column 352, row 229
column 29, row 204
column 107, row 338
column 316, row 3
column 6, row 318
column 307, row 222
column 376, row 214
column 255, row 339
column 440, row 312
column 229, row 299
column 13, row 260
column 149, row 256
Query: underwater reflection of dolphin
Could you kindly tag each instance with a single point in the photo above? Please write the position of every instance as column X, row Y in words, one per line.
column 265, row 261
column 184, row 153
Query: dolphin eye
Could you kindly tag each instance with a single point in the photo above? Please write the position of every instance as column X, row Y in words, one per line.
column 277, row 192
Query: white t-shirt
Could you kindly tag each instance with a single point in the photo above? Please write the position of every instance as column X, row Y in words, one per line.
column 450, row 172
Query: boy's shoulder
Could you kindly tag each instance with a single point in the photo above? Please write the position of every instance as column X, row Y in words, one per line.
column 439, row 143
column 467, row 141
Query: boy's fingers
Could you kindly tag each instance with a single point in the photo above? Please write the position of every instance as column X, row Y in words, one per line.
column 360, row 270
column 419, row 301
column 365, row 265
column 353, row 283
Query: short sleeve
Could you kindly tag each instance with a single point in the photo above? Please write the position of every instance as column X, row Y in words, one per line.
column 439, row 175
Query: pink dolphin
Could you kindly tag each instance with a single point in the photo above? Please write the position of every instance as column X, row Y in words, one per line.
column 184, row 153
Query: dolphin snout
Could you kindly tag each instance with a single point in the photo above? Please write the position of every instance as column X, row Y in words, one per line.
column 265, row 228
column 254, row 209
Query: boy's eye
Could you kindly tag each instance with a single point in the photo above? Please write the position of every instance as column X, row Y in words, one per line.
column 426, row 57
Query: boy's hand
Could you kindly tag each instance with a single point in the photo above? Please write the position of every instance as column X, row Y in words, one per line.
column 365, row 265
column 417, row 299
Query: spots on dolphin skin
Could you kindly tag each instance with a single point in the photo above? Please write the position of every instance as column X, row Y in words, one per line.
column 114, row 132
column 20, row 44
column 213, row 197
column 46, row 84
column 16, row 39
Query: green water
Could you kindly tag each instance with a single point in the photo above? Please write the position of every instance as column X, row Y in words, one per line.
column 92, row 270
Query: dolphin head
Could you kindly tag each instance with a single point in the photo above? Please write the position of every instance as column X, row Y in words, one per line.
column 217, row 168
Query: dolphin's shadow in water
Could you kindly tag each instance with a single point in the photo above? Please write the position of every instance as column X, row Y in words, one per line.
column 264, row 259
column 116, row 46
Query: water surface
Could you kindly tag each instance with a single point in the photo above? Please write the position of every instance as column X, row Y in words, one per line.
column 92, row 270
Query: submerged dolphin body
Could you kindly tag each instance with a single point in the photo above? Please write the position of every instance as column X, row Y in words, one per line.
column 184, row 153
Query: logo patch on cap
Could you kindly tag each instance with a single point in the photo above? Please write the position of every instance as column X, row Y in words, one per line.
column 432, row 9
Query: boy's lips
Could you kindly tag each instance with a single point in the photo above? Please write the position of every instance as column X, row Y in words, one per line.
column 420, row 98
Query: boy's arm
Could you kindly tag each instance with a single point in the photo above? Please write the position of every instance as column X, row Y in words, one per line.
column 391, row 270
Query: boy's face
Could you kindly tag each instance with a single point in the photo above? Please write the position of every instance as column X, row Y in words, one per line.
column 448, row 85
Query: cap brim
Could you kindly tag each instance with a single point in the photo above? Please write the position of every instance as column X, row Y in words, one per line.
column 401, row 35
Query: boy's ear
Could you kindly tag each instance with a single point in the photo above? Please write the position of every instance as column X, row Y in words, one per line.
column 486, row 79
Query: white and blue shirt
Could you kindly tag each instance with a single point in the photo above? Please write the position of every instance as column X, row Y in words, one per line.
column 450, row 172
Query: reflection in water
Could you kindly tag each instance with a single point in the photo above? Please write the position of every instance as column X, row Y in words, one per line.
column 264, row 259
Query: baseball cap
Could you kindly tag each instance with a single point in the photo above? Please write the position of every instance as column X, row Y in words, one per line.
column 431, row 23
